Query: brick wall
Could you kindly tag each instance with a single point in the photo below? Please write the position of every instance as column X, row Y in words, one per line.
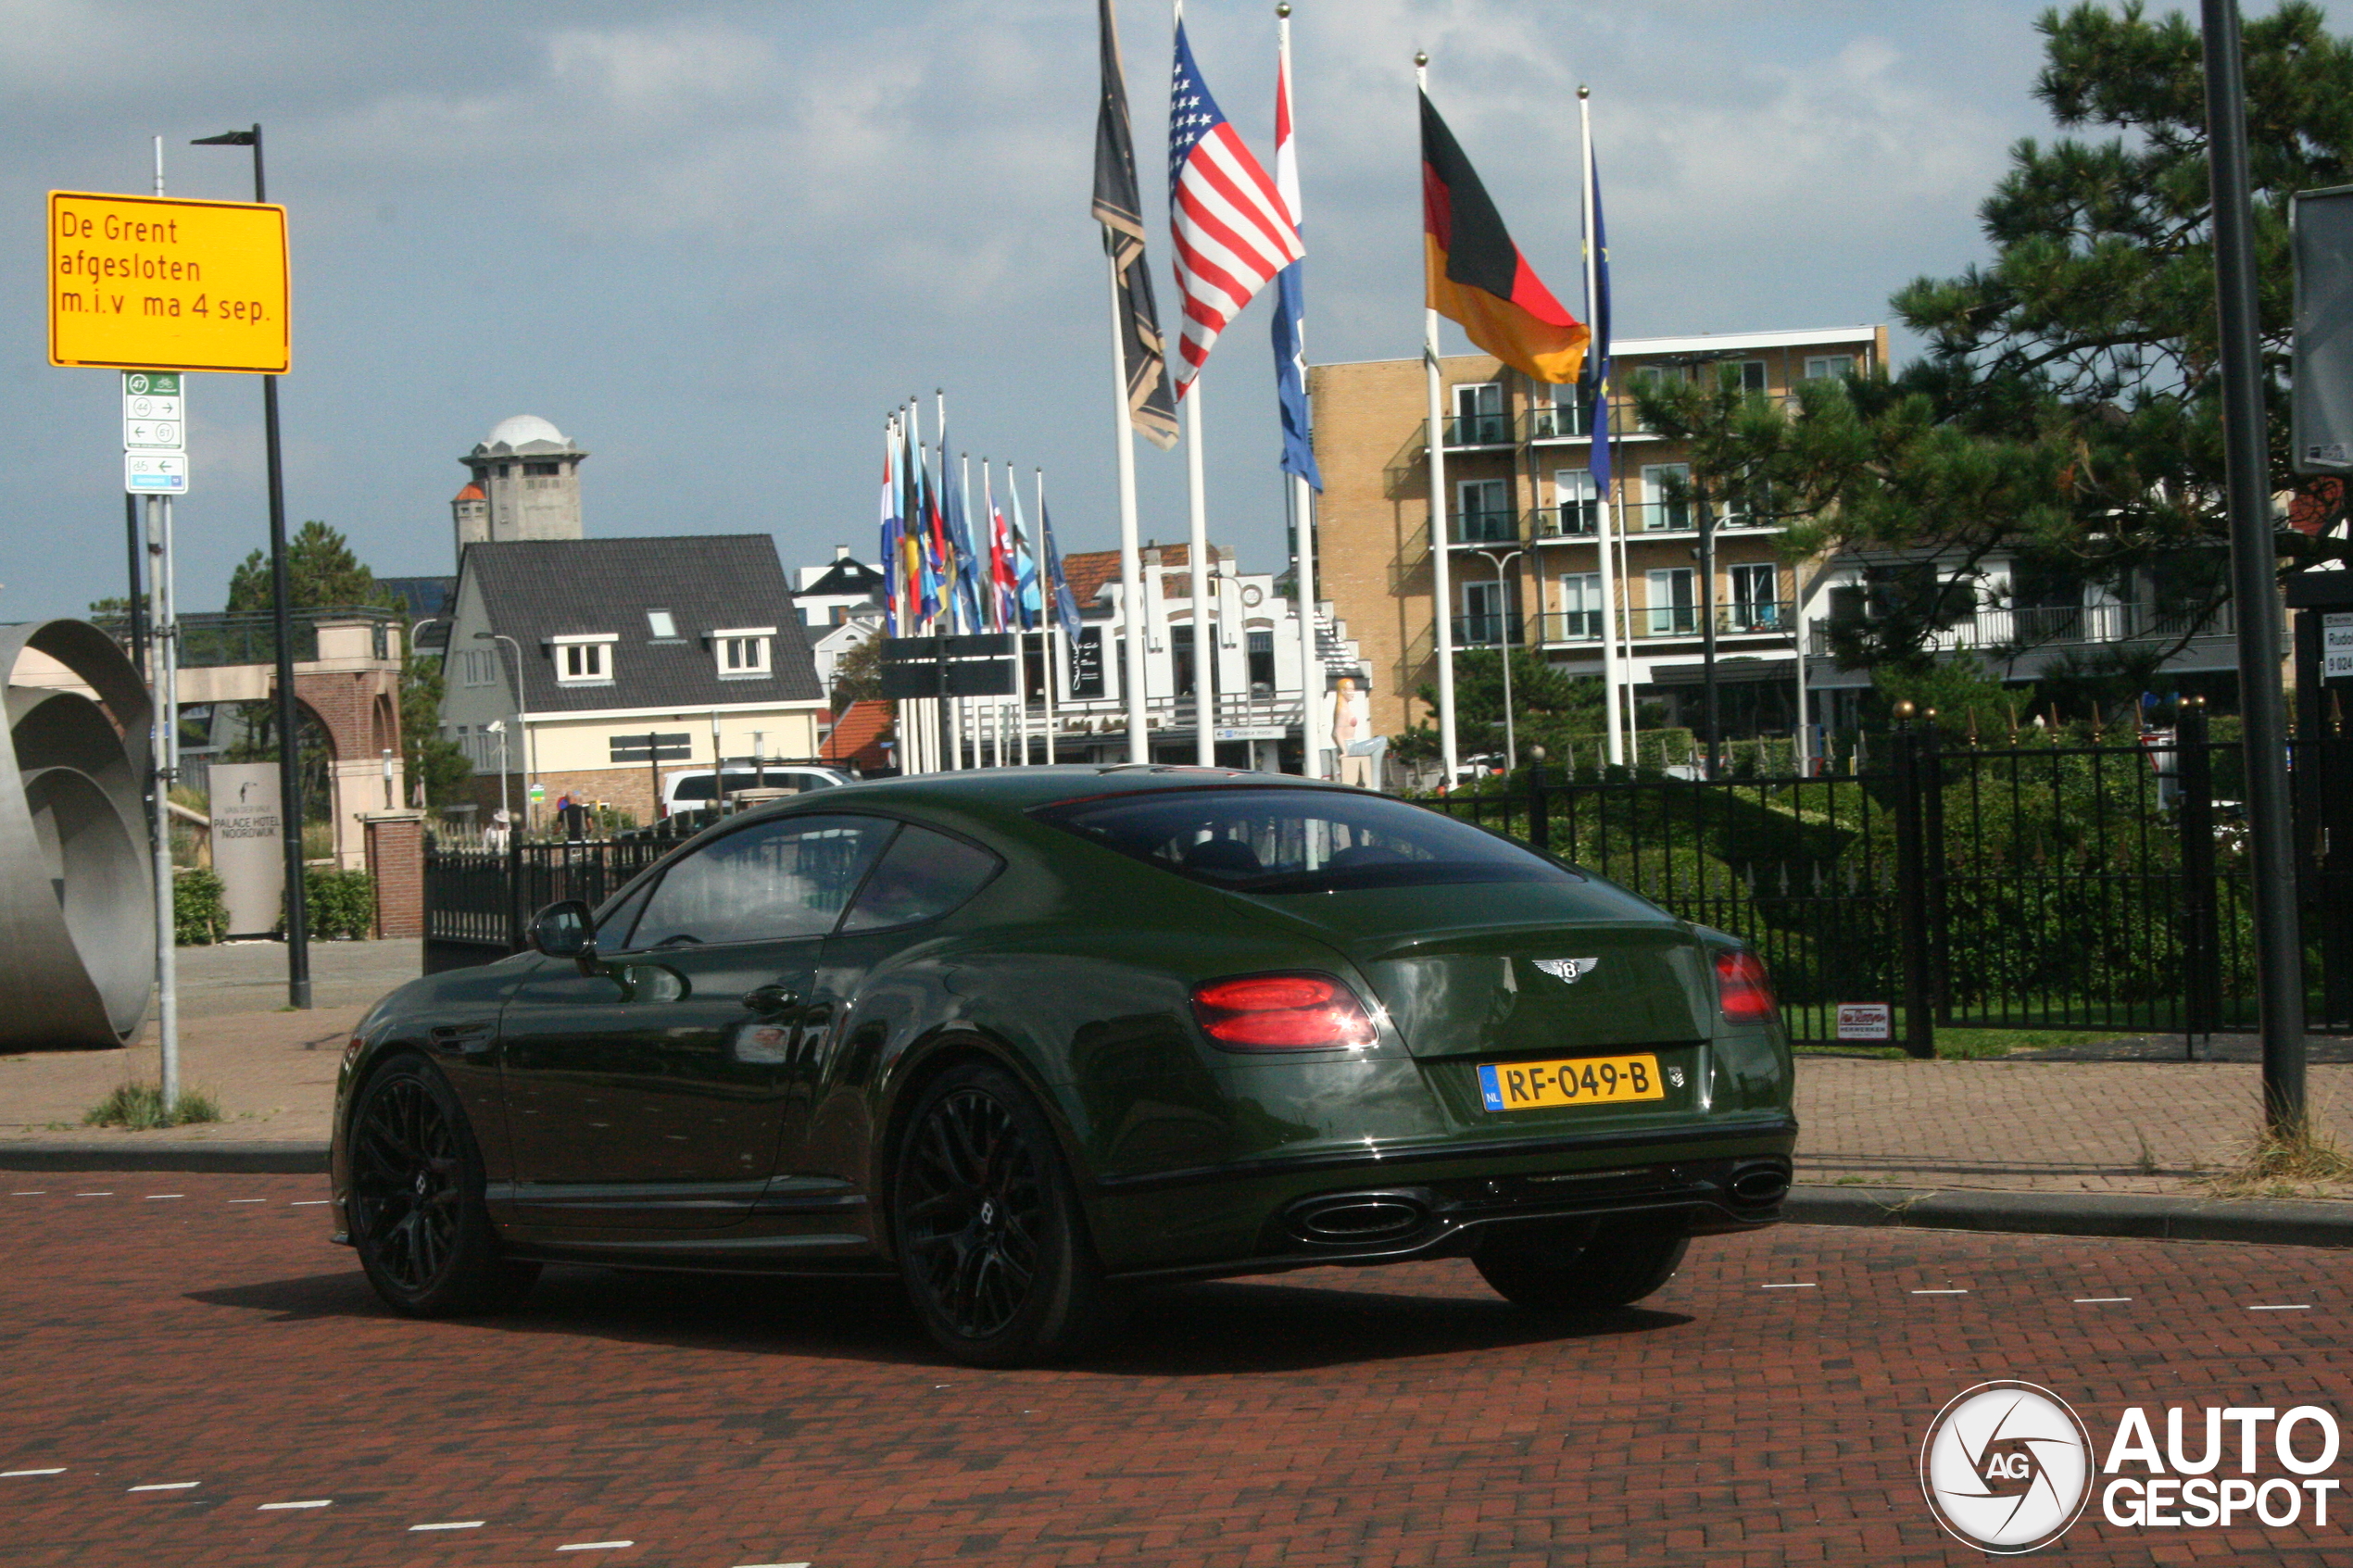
column 396, row 861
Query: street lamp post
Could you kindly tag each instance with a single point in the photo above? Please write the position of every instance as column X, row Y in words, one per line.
column 499, row 727
column 1499, row 561
column 523, row 720
column 281, row 619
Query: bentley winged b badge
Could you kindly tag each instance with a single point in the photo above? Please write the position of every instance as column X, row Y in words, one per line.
column 1568, row 972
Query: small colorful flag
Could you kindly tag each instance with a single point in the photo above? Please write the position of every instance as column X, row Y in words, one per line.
column 1232, row 232
column 892, row 557
column 1025, row 603
column 1291, row 305
column 1475, row 276
column 1597, row 353
column 1119, row 207
column 1066, row 605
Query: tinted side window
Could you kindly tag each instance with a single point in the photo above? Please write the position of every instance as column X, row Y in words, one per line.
column 924, row 876
column 789, row 877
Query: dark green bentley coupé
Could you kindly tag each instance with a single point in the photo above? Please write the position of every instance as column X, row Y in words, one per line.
column 1033, row 1037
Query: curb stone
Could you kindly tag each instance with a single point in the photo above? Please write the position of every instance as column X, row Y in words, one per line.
column 2262, row 1221
column 215, row 1159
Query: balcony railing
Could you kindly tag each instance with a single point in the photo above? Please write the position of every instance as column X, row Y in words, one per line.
column 2034, row 626
column 1561, row 421
column 1478, row 430
column 1569, row 520
column 1488, row 631
column 1484, row 528
column 1760, row 617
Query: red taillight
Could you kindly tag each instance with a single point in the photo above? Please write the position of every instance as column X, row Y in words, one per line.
column 1282, row 1012
column 1742, row 987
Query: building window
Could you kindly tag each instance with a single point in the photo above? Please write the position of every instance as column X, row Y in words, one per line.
column 1829, row 367
column 1577, row 506
column 742, row 650
column 1482, row 622
column 1755, row 598
column 1667, row 496
column 477, row 667
column 1673, row 609
column 1750, row 373
column 1261, row 663
column 543, row 468
column 1479, row 416
column 661, row 623
column 1580, row 607
column 1483, row 512
column 504, row 469
column 582, row 663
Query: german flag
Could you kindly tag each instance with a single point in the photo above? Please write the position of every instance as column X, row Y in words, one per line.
column 1475, row 276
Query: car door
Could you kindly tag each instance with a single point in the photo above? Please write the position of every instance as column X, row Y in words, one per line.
column 870, row 989
column 647, row 1088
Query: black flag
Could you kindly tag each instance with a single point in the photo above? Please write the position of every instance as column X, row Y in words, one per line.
column 1152, row 407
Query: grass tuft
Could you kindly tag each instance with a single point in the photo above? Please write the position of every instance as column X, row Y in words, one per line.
column 2284, row 1163
column 140, row 1108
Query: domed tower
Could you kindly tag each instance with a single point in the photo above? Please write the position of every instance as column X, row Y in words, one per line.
column 527, row 485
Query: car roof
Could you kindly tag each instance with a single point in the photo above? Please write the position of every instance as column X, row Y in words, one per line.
column 992, row 790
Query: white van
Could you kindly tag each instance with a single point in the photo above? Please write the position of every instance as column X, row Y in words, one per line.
column 695, row 789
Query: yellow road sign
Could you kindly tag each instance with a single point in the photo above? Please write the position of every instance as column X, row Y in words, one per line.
column 146, row 283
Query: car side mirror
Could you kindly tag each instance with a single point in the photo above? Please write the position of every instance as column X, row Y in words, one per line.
column 565, row 930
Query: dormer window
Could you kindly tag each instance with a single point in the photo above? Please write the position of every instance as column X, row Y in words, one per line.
column 584, row 661
column 660, row 623
column 742, row 650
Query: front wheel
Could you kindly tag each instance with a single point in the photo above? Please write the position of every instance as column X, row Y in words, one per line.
column 415, row 1209
column 990, row 1240
column 1572, row 1267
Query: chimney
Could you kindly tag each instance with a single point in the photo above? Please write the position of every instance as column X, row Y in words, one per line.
column 841, row 552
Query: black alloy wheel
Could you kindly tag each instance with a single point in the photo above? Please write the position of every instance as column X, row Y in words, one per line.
column 415, row 1206
column 1581, row 1266
column 990, row 1238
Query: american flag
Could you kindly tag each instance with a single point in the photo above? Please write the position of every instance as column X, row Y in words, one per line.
column 1233, row 234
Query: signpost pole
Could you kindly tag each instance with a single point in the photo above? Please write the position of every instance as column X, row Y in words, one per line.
column 2279, row 956
column 167, row 990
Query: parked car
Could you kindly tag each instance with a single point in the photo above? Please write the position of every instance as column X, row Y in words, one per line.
column 1032, row 1037
column 693, row 788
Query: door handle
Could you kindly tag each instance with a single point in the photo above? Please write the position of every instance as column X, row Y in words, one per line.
column 770, row 999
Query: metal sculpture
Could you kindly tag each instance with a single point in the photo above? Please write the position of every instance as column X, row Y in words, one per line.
column 77, row 913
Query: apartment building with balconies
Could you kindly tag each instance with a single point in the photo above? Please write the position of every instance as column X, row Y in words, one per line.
column 1523, row 526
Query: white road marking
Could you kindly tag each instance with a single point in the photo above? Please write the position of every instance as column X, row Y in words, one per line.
column 166, row 1487
column 772, row 1565
column 2299, row 1306
column 1940, row 1293
column 1797, row 1285
column 5, row 1475
column 308, row 1202
column 153, row 1196
column 42, row 1193
column 2094, row 1300
column 595, row 1546
column 248, row 1200
column 93, row 1195
column 457, row 1524
column 311, row 1502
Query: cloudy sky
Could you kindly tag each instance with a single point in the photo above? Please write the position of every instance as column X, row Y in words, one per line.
column 714, row 241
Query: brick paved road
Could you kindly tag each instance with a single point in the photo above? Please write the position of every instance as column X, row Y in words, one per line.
column 1402, row 1416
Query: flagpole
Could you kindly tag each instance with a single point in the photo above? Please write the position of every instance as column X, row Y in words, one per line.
column 1131, row 561
column 1048, row 621
column 1204, row 705
column 1313, row 699
column 1442, row 578
column 1021, row 634
column 1602, row 519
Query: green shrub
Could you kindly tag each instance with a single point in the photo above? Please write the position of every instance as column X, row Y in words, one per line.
column 336, row 904
column 198, row 913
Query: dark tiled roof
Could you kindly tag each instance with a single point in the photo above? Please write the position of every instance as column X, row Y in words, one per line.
column 539, row 589
column 848, row 576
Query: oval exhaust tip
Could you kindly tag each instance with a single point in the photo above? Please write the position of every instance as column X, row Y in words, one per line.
column 1760, row 1184
column 1358, row 1219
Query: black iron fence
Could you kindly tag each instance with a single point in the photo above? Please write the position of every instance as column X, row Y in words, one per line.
column 2059, row 887
column 479, row 901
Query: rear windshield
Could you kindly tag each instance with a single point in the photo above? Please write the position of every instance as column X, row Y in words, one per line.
column 1296, row 840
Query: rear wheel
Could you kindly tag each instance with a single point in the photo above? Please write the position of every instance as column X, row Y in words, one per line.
column 990, row 1240
column 415, row 1209
column 1581, row 1267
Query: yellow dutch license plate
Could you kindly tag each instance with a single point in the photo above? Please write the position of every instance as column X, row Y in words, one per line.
column 1593, row 1080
